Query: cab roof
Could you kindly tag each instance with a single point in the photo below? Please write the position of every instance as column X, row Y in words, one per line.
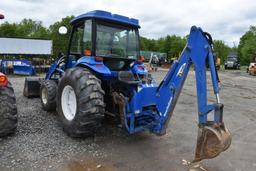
column 104, row 15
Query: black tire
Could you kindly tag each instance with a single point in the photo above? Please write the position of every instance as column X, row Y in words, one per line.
column 90, row 102
column 48, row 92
column 8, row 111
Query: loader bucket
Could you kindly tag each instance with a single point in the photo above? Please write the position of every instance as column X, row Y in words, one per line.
column 32, row 87
column 212, row 139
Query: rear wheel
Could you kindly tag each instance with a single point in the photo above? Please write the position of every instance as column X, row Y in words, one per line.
column 80, row 103
column 8, row 112
column 48, row 91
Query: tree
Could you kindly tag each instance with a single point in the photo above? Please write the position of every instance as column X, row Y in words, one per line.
column 221, row 50
column 176, row 45
column 247, row 46
column 8, row 30
column 172, row 45
column 27, row 28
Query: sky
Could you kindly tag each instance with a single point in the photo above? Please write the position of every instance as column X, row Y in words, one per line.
column 226, row 20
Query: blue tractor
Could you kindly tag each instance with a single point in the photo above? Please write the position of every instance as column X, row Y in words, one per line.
column 102, row 74
column 8, row 108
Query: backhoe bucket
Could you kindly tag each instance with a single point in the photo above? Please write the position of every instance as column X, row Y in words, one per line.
column 32, row 87
column 212, row 139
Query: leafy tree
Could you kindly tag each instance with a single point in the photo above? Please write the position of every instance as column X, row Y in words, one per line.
column 175, row 45
column 221, row 50
column 8, row 30
column 27, row 28
column 247, row 46
column 172, row 45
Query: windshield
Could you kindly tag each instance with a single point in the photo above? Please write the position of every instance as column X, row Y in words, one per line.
column 116, row 41
column 232, row 59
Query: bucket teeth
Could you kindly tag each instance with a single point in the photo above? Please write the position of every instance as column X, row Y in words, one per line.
column 212, row 139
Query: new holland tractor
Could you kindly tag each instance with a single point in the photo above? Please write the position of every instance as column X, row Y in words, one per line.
column 8, row 108
column 102, row 74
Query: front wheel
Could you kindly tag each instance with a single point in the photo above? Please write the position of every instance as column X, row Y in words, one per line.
column 80, row 102
column 8, row 111
column 48, row 91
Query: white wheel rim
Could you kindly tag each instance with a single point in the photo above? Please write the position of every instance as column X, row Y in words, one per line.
column 44, row 95
column 68, row 102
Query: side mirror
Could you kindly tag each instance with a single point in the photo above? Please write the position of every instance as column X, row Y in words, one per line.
column 1, row 16
column 63, row 30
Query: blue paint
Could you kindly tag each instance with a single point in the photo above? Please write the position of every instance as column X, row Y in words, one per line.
column 139, row 68
column 91, row 63
column 20, row 66
column 104, row 15
column 86, row 61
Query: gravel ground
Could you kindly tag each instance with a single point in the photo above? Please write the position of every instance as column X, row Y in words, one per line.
column 40, row 143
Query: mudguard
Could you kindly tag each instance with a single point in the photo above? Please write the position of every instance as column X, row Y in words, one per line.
column 139, row 68
column 97, row 66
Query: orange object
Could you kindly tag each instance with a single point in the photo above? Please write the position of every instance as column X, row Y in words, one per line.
column 87, row 52
column 3, row 80
column 142, row 58
column 252, row 69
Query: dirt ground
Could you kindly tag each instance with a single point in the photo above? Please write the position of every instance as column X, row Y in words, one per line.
column 40, row 143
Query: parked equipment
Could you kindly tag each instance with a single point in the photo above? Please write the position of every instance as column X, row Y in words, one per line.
column 17, row 66
column 151, row 65
column 252, row 69
column 232, row 62
column 8, row 108
column 218, row 63
column 102, row 75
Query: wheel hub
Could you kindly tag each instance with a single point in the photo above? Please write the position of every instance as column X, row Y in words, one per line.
column 44, row 95
column 68, row 102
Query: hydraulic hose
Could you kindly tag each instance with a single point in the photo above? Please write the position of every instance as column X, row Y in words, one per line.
column 210, row 41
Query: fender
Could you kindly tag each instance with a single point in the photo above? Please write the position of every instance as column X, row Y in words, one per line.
column 139, row 68
column 91, row 63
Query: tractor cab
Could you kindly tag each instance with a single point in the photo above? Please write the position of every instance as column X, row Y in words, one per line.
column 100, row 36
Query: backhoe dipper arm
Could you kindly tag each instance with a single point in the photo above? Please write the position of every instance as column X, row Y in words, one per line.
column 197, row 51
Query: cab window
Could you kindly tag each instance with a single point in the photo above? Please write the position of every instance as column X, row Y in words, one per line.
column 81, row 43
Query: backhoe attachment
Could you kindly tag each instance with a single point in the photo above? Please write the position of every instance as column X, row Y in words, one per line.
column 212, row 139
